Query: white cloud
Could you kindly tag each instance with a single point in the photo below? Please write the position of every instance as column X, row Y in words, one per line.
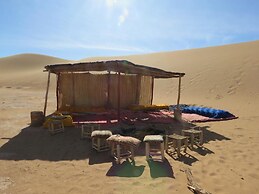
column 115, row 6
column 123, row 16
column 111, row 3
column 70, row 44
column 113, row 47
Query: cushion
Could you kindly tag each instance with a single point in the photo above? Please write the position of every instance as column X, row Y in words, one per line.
column 101, row 133
column 126, row 140
column 153, row 138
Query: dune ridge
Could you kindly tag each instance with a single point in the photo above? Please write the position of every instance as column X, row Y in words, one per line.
column 25, row 70
column 27, row 61
column 237, row 61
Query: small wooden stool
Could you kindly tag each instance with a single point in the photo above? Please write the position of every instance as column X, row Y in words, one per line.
column 99, row 140
column 156, row 140
column 174, row 143
column 120, row 151
column 56, row 126
column 196, row 136
column 87, row 129
column 123, row 147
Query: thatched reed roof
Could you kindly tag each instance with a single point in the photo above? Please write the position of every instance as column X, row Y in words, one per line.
column 121, row 66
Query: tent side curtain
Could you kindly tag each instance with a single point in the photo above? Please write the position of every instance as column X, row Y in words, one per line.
column 65, row 96
column 80, row 92
column 128, row 89
column 90, row 90
column 146, row 90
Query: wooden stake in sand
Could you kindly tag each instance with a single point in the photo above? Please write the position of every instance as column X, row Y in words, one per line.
column 46, row 96
column 192, row 185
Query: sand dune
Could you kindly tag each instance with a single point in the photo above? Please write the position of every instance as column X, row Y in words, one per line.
column 221, row 74
column 25, row 70
column 221, row 77
column 27, row 62
column 213, row 73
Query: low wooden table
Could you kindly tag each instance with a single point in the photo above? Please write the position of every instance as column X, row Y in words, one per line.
column 196, row 136
column 174, row 143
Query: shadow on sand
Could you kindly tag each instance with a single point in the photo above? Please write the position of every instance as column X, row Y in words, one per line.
column 36, row 143
column 202, row 150
column 126, row 169
column 99, row 157
column 211, row 135
column 160, row 169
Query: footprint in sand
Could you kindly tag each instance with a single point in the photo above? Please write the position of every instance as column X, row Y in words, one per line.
column 236, row 82
column 218, row 97
column 218, row 189
column 204, row 171
column 231, row 90
column 212, row 174
column 136, row 183
column 94, row 185
column 238, row 128
column 221, row 161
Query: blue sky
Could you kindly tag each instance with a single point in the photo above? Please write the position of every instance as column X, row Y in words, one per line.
column 75, row 29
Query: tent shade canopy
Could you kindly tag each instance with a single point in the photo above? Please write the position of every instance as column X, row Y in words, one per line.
column 121, row 66
column 119, row 84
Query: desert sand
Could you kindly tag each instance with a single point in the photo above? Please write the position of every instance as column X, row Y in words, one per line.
column 223, row 77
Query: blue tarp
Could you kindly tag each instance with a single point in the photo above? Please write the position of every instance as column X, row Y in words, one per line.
column 204, row 111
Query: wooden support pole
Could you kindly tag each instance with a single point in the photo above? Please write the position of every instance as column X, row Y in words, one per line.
column 152, row 91
column 179, row 93
column 108, row 90
column 73, row 92
column 46, row 96
column 119, row 96
column 57, row 89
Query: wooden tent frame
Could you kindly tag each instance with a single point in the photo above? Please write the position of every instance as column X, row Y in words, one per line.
column 117, row 66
